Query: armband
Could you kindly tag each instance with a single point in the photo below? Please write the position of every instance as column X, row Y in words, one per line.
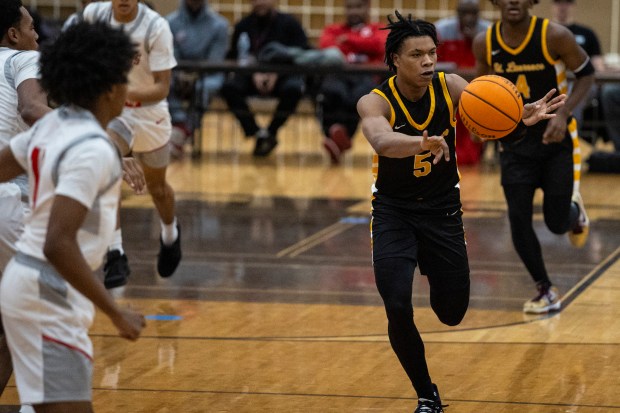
column 585, row 69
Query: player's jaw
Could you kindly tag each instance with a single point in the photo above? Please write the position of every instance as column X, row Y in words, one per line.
column 125, row 10
column 514, row 10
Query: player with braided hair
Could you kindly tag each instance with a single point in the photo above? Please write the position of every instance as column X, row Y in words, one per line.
column 409, row 120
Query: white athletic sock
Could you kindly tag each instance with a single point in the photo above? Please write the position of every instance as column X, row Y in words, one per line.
column 117, row 241
column 169, row 233
column 26, row 408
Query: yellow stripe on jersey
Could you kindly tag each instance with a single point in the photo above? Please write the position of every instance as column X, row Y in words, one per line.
column 523, row 44
column 446, row 95
column 572, row 129
column 560, row 70
column 392, row 112
column 543, row 39
column 489, row 44
column 431, row 111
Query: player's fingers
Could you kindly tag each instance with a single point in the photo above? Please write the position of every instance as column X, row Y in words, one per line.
column 446, row 151
column 438, row 154
column 548, row 95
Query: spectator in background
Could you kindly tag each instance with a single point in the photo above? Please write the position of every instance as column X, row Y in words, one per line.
column 46, row 29
column 456, row 35
column 610, row 97
column 199, row 34
column 265, row 24
column 563, row 12
column 360, row 42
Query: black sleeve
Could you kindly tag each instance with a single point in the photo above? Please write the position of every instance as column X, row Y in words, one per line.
column 295, row 33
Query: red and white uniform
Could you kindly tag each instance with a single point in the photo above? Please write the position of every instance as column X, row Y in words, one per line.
column 15, row 67
column 46, row 320
column 149, row 123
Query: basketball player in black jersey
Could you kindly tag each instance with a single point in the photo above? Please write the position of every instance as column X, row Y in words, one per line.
column 409, row 121
column 534, row 54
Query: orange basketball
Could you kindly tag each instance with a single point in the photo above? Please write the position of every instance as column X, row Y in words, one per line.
column 491, row 107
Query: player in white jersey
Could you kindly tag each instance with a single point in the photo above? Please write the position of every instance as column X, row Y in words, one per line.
column 48, row 288
column 22, row 102
column 145, row 125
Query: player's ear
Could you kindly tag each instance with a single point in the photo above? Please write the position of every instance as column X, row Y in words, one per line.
column 12, row 35
column 396, row 59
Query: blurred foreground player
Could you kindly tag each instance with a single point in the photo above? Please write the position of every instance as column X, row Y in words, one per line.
column 48, row 288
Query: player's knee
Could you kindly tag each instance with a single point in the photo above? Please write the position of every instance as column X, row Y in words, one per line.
column 450, row 307
column 451, row 318
column 556, row 226
column 158, row 190
column 398, row 310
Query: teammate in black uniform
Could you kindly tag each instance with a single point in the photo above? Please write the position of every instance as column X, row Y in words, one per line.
column 534, row 54
column 417, row 219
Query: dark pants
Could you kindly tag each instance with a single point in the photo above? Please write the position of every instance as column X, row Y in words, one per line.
column 338, row 96
column 521, row 177
column 288, row 89
column 430, row 235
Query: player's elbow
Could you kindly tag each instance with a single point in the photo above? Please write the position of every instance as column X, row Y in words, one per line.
column 31, row 113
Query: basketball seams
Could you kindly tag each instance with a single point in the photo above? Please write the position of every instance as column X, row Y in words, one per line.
column 492, row 105
column 486, row 111
column 469, row 122
column 506, row 85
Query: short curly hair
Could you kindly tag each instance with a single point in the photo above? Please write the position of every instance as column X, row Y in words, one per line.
column 84, row 62
column 403, row 28
column 10, row 15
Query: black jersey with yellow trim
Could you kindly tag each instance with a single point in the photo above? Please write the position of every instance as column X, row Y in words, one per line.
column 415, row 177
column 529, row 65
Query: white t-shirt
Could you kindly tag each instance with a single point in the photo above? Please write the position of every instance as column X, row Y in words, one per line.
column 15, row 67
column 68, row 153
column 150, row 32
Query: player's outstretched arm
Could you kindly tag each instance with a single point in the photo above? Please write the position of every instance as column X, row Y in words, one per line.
column 374, row 112
column 542, row 109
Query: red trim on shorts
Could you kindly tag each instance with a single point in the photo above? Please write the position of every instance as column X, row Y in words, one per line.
column 69, row 346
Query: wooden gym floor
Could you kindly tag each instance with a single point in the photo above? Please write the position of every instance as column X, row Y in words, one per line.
column 274, row 307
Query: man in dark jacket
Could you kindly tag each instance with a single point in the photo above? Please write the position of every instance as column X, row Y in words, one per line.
column 264, row 25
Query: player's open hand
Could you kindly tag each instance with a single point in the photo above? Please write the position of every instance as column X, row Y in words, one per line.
column 437, row 146
column 129, row 324
column 542, row 109
column 134, row 175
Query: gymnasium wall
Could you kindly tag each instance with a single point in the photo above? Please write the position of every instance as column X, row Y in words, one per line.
column 601, row 15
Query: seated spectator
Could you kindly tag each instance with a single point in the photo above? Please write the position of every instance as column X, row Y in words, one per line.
column 610, row 97
column 199, row 34
column 265, row 24
column 360, row 42
column 456, row 35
